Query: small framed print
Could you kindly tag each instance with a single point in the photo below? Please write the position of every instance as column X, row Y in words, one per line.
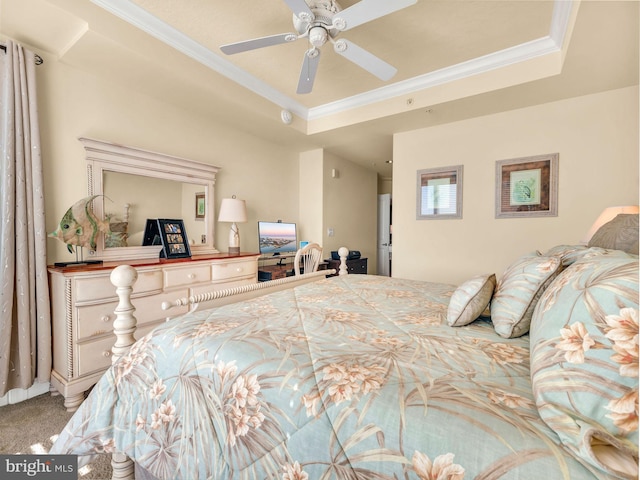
column 170, row 234
column 201, row 206
column 527, row 187
column 439, row 193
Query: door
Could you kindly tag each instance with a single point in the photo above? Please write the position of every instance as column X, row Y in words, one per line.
column 384, row 235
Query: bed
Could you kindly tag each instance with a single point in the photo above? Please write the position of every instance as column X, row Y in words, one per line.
column 367, row 377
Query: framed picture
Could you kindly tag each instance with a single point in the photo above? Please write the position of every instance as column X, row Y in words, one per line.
column 201, row 206
column 170, row 234
column 527, row 187
column 439, row 193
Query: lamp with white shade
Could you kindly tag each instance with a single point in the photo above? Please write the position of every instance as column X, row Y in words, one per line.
column 606, row 216
column 233, row 210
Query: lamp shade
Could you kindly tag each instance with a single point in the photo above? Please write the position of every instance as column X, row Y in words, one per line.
column 606, row 216
column 233, row 210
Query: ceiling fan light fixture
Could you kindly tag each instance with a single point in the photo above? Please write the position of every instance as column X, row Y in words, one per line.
column 317, row 36
column 321, row 21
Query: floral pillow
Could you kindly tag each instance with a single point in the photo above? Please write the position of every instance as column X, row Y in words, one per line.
column 470, row 299
column 518, row 291
column 567, row 253
column 584, row 361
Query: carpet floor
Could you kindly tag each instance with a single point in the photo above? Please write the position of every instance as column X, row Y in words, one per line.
column 31, row 427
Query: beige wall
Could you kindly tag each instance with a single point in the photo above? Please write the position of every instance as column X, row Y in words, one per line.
column 597, row 139
column 350, row 208
column 311, row 188
column 338, row 194
column 75, row 104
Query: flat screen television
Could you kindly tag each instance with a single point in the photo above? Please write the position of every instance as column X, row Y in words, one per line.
column 277, row 238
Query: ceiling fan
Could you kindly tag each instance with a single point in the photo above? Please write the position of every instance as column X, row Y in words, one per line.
column 321, row 21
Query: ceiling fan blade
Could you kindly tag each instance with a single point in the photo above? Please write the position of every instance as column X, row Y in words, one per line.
column 308, row 71
column 364, row 59
column 366, row 10
column 300, row 9
column 252, row 44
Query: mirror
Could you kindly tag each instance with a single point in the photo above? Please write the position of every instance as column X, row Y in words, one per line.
column 133, row 185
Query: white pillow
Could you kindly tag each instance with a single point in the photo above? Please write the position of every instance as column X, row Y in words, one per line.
column 470, row 299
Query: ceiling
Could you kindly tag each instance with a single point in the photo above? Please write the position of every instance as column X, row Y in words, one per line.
column 455, row 59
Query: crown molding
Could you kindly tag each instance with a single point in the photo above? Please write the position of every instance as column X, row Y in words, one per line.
column 551, row 44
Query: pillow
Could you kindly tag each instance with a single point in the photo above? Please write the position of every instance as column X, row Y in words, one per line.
column 584, row 361
column 470, row 299
column 518, row 291
column 621, row 233
column 567, row 253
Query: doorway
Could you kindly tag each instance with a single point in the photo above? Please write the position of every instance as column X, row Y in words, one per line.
column 384, row 234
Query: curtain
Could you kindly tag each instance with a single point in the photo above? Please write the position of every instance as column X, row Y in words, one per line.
column 25, row 324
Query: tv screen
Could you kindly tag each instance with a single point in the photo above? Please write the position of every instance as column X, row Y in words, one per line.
column 276, row 238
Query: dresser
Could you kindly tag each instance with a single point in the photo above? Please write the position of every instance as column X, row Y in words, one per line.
column 354, row 266
column 83, row 301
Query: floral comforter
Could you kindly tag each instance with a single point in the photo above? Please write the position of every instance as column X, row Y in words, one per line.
column 351, row 377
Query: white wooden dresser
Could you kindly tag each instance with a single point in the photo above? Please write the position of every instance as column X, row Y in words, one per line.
column 83, row 301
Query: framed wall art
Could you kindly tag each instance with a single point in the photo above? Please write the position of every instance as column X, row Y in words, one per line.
column 170, row 234
column 439, row 193
column 527, row 187
column 200, row 206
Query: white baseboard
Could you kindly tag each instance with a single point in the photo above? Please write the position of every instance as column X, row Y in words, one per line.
column 20, row 394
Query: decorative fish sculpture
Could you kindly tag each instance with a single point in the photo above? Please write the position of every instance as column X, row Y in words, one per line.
column 80, row 226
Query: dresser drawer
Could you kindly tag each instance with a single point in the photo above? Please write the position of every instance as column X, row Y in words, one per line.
column 94, row 320
column 99, row 287
column 231, row 270
column 152, row 306
column 176, row 277
column 95, row 355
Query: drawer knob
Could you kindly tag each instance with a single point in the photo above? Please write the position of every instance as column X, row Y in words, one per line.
column 239, row 269
column 106, row 318
column 191, row 276
column 106, row 353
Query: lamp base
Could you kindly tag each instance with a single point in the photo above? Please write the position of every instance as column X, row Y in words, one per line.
column 234, row 250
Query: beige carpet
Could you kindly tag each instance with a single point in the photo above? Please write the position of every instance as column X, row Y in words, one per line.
column 31, row 427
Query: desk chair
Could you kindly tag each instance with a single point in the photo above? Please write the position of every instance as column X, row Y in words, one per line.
column 308, row 257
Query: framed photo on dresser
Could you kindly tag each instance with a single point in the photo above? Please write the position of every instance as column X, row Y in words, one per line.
column 171, row 234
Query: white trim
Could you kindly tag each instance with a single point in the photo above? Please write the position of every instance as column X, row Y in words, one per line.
column 492, row 61
column 18, row 395
column 155, row 27
column 146, row 22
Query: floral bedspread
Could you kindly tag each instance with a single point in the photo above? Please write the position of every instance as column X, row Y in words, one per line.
column 350, row 377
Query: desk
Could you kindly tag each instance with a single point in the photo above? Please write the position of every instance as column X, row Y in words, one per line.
column 273, row 272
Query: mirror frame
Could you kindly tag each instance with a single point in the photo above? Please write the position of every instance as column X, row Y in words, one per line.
column 105, row 156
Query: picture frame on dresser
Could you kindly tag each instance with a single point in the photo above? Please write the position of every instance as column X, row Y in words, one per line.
column 171, row 234
column 527, row 186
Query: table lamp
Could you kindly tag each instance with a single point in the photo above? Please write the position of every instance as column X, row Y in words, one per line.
column 235, row 211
